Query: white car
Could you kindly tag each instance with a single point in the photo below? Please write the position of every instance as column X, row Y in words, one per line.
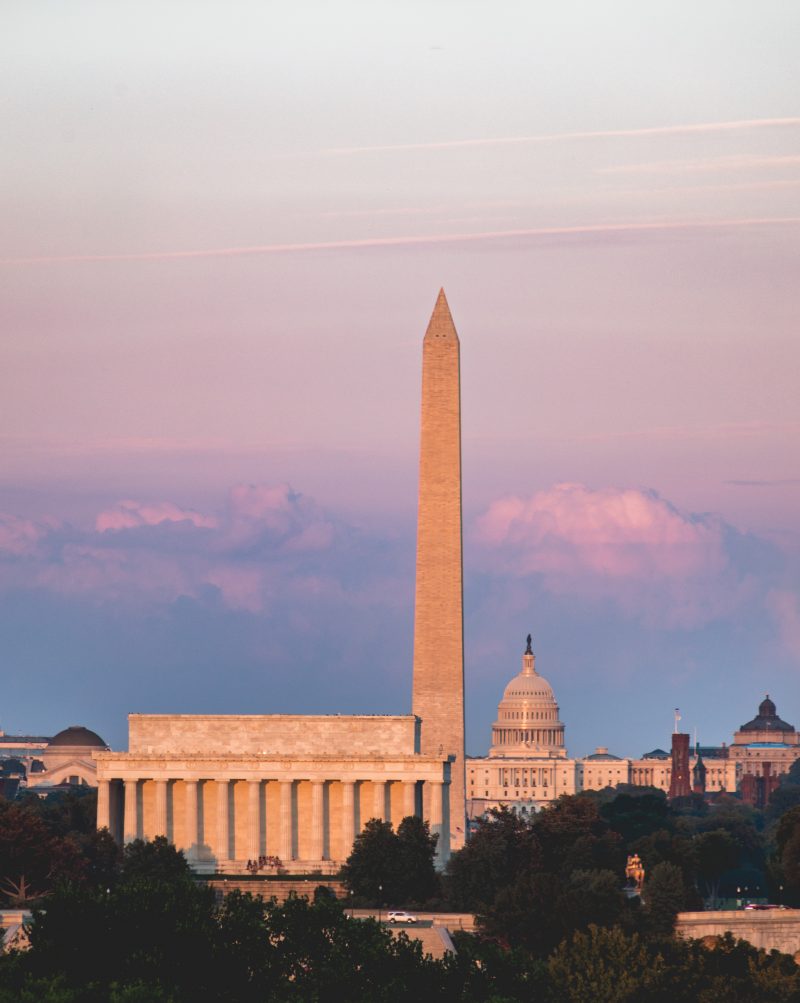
column 399, row 916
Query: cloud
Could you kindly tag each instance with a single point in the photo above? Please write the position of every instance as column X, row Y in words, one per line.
column 270, row 602
column 256, row 549
column 628, row 546
column 275, row 513
column 785, row 609
column 18, row 536
column 132, row 514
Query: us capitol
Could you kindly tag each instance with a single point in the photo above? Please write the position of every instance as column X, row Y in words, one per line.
column 528, row 767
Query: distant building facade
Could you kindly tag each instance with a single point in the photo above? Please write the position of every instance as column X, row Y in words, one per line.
column 763, row 749
column 68, row 759
column 44, row 763
column 528, row 766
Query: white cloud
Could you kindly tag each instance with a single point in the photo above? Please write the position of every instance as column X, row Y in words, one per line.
column 133, row 514
column 784, row 606
column 18, row 536
column 629, row 546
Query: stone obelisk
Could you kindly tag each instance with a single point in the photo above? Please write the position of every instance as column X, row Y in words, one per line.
column 438, row 697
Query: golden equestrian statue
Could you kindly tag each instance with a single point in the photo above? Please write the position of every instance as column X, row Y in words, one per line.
column 635, row 870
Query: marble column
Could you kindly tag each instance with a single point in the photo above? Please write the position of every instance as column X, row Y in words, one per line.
column 253, row 820
column 104, row 804
column 223, row 820
column 161, row 808
column 130, row 829
column 190, row 829
column 348, row 817
column 436, row 820
column 409, row 798
column 317, row 819
column 286, row 840
column 379, row 799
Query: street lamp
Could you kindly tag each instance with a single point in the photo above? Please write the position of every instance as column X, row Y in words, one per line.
column 380, row 901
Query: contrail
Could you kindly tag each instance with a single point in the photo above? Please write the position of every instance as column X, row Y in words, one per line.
column 557, row 137
column 436, row 238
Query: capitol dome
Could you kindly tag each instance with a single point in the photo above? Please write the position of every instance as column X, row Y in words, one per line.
column 527, row 717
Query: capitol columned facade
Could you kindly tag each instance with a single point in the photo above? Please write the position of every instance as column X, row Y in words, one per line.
column 528, row 766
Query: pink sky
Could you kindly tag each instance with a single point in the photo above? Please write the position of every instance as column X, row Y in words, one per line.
column 222, row 240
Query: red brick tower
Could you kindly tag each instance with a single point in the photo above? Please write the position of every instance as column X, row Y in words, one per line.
column 680, row 782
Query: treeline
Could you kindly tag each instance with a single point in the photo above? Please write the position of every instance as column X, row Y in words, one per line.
column 138, row 927
column 157, row 935
column 44, row 841
column 570, row 859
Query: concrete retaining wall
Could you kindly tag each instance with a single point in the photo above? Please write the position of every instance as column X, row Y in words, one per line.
column 773, row 929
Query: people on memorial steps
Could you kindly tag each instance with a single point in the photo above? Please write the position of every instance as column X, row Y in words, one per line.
column 263, row 862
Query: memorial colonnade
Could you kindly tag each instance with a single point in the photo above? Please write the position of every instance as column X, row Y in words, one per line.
column 223, row 811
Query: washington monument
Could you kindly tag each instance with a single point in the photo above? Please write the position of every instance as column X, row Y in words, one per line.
column 438, row 689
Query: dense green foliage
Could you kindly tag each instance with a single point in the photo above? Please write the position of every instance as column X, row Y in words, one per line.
column 388, row 867
column 162, row 938
column 46, row 840
column 545, row 871
column 787, row 840
column 138, row 927
column 609, row 966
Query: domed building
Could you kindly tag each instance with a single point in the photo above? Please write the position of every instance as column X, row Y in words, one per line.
column 527, row 717
column 762, row 750
column 68, row 758
column 527, row 766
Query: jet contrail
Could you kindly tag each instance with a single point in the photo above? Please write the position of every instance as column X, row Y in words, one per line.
column 557, row 137
column 435, row 238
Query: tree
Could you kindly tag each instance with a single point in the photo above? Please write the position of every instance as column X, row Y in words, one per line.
column 387, row 867
column 636, row 815
column 787, row 841
column 664, row 896
column 44, row 841
column 573, row 835
column 416, row 850
column 525, row 914
column 371, row 872
column 25, row 844
column 716, row 852
column 539, row 910
column 164, row 940
column 501, row 848
column 605, row 966
column 593, row 897
column 156, row 859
